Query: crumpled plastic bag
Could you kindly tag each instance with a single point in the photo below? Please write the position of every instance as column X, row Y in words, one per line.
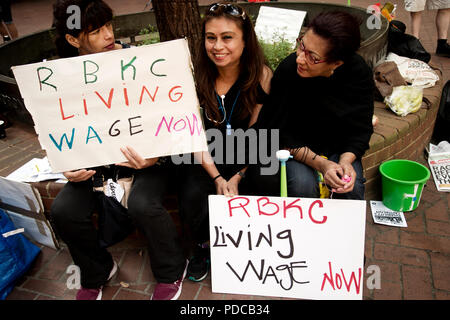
column 415, row 72
column 404, row 100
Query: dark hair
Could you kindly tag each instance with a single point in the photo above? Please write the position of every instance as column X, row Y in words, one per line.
column 94, row 14
column 251, row 64
column 341, row 30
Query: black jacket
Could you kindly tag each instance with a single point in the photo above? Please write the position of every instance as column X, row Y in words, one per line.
column 329, row 115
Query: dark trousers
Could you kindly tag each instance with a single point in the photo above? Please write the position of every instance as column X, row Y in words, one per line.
column 195, row 187
column 302, row 181
column 72, row 211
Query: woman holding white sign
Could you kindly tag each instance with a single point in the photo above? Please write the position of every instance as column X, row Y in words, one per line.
column 84, row 27
column 321, row 100
column 233, row 80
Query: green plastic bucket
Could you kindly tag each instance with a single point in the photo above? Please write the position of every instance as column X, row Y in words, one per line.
column 402, row 183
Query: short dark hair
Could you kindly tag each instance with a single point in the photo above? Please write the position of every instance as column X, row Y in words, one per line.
column 341, row 30
column 94, row 14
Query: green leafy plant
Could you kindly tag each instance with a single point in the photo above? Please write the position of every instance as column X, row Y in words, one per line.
column 275, row 52
column 149, row 35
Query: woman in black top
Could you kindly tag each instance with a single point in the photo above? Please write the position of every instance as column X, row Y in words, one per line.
column 321, row 100
column 232, row 81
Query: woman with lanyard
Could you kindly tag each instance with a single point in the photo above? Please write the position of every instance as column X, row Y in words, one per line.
column 232, row 82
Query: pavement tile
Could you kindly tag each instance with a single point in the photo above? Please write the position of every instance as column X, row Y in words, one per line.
column 125, row 294
column 19, row 294
column 439, row 211
column 424, row 241
column 390, row 271
column 438, row 227
column 440, row 265
column 110, row 291
column 42, row 259
column 388, row 235
column 415, row 221
column 401, row 255
column 416, row 283
column 206, row 294
column 57, row 267
column 442, row 295
column 388, row 291
column 130, row 267
column 49, row 287
column 190, row 290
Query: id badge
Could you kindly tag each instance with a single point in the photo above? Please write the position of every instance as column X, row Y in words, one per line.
column 114, row 189
column 228, row 129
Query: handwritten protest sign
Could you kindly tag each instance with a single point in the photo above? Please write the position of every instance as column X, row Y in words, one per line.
column 287, row 247
column 85, row 108
column 440, row 168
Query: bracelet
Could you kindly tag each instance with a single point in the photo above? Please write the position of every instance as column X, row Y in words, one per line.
column 242, row 174
column 217, row 177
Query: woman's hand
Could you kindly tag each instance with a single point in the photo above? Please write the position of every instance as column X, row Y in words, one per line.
column 79, row 175
column 349, row 177
column 221, row 186
column 233, row 185
column 135, row 160
column 332, row 175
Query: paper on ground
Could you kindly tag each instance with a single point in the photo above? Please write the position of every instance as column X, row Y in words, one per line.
column 274, row 24
column 35, row 170
column 439, row 163
column 383, row 215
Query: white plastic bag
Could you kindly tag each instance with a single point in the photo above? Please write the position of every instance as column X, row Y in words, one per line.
column 415, row 72
column 404, row 100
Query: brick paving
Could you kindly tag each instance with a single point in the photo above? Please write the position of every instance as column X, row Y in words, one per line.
column 414, row 261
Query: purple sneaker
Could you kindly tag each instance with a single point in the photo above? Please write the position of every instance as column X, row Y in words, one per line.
column 95, row 294
column 89, row 294
column 169, row 291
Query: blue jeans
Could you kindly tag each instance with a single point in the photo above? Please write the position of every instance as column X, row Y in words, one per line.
column 302, row 181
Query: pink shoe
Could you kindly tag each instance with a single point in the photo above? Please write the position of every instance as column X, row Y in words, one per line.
column 95, row 294
column 89, row 294
column 169, row 291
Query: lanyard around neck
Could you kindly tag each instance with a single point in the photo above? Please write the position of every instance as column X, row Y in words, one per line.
column 221, row 100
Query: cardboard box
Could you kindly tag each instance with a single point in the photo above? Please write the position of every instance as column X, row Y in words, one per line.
column 23, row 204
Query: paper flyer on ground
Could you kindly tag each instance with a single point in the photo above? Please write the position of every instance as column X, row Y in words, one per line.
column 440, row 168
column 383, row 215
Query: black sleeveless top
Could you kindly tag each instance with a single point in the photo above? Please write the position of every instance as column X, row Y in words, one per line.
column 226, row 147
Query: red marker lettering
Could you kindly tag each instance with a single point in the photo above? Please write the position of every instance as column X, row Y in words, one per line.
column 239, row 206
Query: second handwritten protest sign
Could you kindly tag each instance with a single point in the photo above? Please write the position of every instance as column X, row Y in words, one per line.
column 287, row 247
column 85, row 108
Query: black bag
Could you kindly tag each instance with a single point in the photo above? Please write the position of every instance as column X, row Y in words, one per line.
column 114, row 223
column 405, row 45
column 442, row 127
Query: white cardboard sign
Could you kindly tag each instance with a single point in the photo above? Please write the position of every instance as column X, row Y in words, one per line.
column 273, row 24
column 23, row 203
column 287, row 247
column 85, row 108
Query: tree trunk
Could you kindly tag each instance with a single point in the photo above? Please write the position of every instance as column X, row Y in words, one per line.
column 178, row 19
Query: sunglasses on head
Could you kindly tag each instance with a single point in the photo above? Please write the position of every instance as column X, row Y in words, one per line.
column 229, row 8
